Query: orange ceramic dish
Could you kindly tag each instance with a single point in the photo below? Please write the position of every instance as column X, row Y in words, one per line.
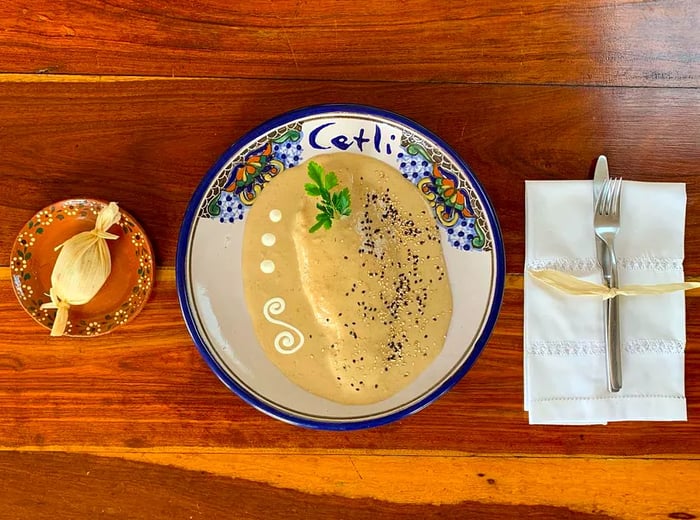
column 124, row 293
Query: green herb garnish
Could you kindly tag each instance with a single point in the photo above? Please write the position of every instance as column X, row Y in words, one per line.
column 332, row 205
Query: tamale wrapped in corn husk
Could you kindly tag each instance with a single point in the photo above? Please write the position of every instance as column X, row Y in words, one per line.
column 82, row 267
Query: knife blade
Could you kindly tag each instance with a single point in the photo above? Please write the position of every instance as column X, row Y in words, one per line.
column 600, row 175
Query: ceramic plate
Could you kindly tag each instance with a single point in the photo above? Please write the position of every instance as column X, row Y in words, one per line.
column 209, row 256
column 121, row 297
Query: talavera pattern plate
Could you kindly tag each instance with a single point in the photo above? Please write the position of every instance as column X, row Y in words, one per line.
column 209, row 256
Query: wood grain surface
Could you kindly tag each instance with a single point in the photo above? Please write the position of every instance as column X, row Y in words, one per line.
column 149, row 143
column 145, row 386
column 135, row 100
column 357, row 486
column 597, row 42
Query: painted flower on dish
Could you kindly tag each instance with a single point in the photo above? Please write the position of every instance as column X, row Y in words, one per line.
column 137, row 239
column 93, row 328
column 259, row 167
column 450, row 202
column 18, row 264
column 26, row 239
column 120, row 317
column 44, row 218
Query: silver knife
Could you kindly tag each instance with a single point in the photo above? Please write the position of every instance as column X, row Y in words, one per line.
column 610, row 307
column 599, row 177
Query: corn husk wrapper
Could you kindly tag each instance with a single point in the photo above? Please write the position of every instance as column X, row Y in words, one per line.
column 569, row 284
column 82, row 267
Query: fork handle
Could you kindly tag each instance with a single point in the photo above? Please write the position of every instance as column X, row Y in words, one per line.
column 614, row 357
column 612, row 338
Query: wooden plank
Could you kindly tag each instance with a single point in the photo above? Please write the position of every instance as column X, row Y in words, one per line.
column 145, row 386
column 599, row 42
column 141, row 140
column 620, row 488
column 250, row 485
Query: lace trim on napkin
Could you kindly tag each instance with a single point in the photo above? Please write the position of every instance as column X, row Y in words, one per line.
column 651, row 263
column 589, row 265
column 655, row 346
column 568, row 265
column 566, row 348
column 594, row 348
column 607, row 397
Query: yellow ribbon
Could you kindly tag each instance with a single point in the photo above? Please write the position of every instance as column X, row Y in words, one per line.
column 569, row 284
column 101, row 234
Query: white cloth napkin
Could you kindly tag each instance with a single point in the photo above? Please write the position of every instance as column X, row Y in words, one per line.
column 565, row 371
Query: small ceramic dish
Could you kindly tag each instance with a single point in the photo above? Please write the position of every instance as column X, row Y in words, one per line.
column 122, row 296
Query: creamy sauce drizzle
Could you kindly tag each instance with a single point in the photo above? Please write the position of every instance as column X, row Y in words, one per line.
column 267, row 266
column 275, row 215
column 287, row 341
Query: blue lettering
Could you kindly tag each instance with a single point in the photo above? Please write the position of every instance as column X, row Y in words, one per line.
column 377, row 138
column 360, row 138
column 346, row 141
column 314, row 133
column 341, row 141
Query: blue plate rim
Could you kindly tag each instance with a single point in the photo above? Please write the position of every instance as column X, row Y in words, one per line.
column 191, row 214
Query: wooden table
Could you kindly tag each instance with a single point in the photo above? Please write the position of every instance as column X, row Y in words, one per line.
column 134, row 100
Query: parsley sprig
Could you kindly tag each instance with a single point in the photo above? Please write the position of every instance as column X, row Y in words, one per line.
column 333, row 205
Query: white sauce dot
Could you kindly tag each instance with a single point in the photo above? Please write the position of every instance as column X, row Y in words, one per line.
column 267, row 266
column 275, row 215
column 268, row 239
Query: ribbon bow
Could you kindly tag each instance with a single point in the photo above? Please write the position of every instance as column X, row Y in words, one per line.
column 569, row 284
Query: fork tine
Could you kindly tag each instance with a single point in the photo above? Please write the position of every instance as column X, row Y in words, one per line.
column 607, row 198
column 616, row 196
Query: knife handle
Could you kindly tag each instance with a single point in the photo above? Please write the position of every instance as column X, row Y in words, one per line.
column 612, row 322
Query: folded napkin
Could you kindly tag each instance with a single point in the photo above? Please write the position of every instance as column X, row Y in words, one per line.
column 565, row 369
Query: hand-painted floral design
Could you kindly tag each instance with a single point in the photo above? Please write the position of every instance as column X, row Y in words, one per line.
column 120, row 317
column 287, row 149
column 414, row 163
column 442, row 193
column 456, row 206
column 26, row 239
column 93, row 328
column 248, row 178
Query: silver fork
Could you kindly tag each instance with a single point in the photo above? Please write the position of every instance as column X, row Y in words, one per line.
column 606, row 223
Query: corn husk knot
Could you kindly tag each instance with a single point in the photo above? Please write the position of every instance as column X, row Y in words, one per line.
column 569, row 284
column 82, row 267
